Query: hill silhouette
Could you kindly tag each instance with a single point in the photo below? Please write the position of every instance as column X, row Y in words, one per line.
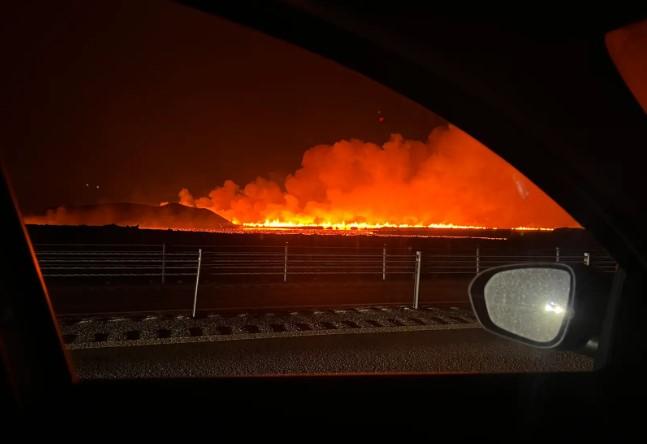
column 172, row 215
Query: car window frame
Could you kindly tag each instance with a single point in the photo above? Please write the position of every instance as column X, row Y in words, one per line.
column 44, row 346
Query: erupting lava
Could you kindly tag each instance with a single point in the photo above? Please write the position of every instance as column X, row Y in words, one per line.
column 448, row 181
column 368, row 226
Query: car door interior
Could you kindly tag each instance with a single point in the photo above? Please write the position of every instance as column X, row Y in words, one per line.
column 39, row 379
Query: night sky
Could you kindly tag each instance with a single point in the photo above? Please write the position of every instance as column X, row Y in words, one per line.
column 144, row 98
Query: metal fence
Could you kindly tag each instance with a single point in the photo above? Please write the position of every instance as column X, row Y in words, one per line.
column 284, row 261
column 114, row 260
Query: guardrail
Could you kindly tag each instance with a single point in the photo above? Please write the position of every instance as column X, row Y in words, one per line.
column 283, row 261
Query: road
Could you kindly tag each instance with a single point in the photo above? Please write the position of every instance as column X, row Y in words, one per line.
column 470, row 350
column 257, row 338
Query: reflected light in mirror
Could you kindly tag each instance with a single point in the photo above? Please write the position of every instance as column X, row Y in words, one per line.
column 554, row 308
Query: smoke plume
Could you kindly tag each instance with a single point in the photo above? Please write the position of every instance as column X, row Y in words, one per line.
column 450, row 178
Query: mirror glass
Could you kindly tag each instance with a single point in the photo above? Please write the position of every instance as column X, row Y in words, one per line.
column 529, row 302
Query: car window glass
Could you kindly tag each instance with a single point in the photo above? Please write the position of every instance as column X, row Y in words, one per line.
column 205, row 200
column 628, row 49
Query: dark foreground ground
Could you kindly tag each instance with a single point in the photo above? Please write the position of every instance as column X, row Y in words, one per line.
column 378, row 339
column 118, row 327
column 470, row 350
column 118, row 298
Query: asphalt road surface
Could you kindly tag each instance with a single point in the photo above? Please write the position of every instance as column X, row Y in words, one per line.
column 467, row 350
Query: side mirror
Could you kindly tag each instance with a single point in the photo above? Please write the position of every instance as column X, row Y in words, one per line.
column 546, row 305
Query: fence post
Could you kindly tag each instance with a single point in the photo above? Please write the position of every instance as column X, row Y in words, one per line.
column 416, row 284
column 556, row 254
column 587, row 259
column 384, row 263
column 285, row 263
column 197, row 283
column 163, row 263
column 478, row 260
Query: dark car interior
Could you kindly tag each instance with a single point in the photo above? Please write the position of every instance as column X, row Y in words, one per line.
column 539, row 88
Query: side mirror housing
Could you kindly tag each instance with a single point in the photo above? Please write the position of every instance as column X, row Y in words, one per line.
column 545, row 305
